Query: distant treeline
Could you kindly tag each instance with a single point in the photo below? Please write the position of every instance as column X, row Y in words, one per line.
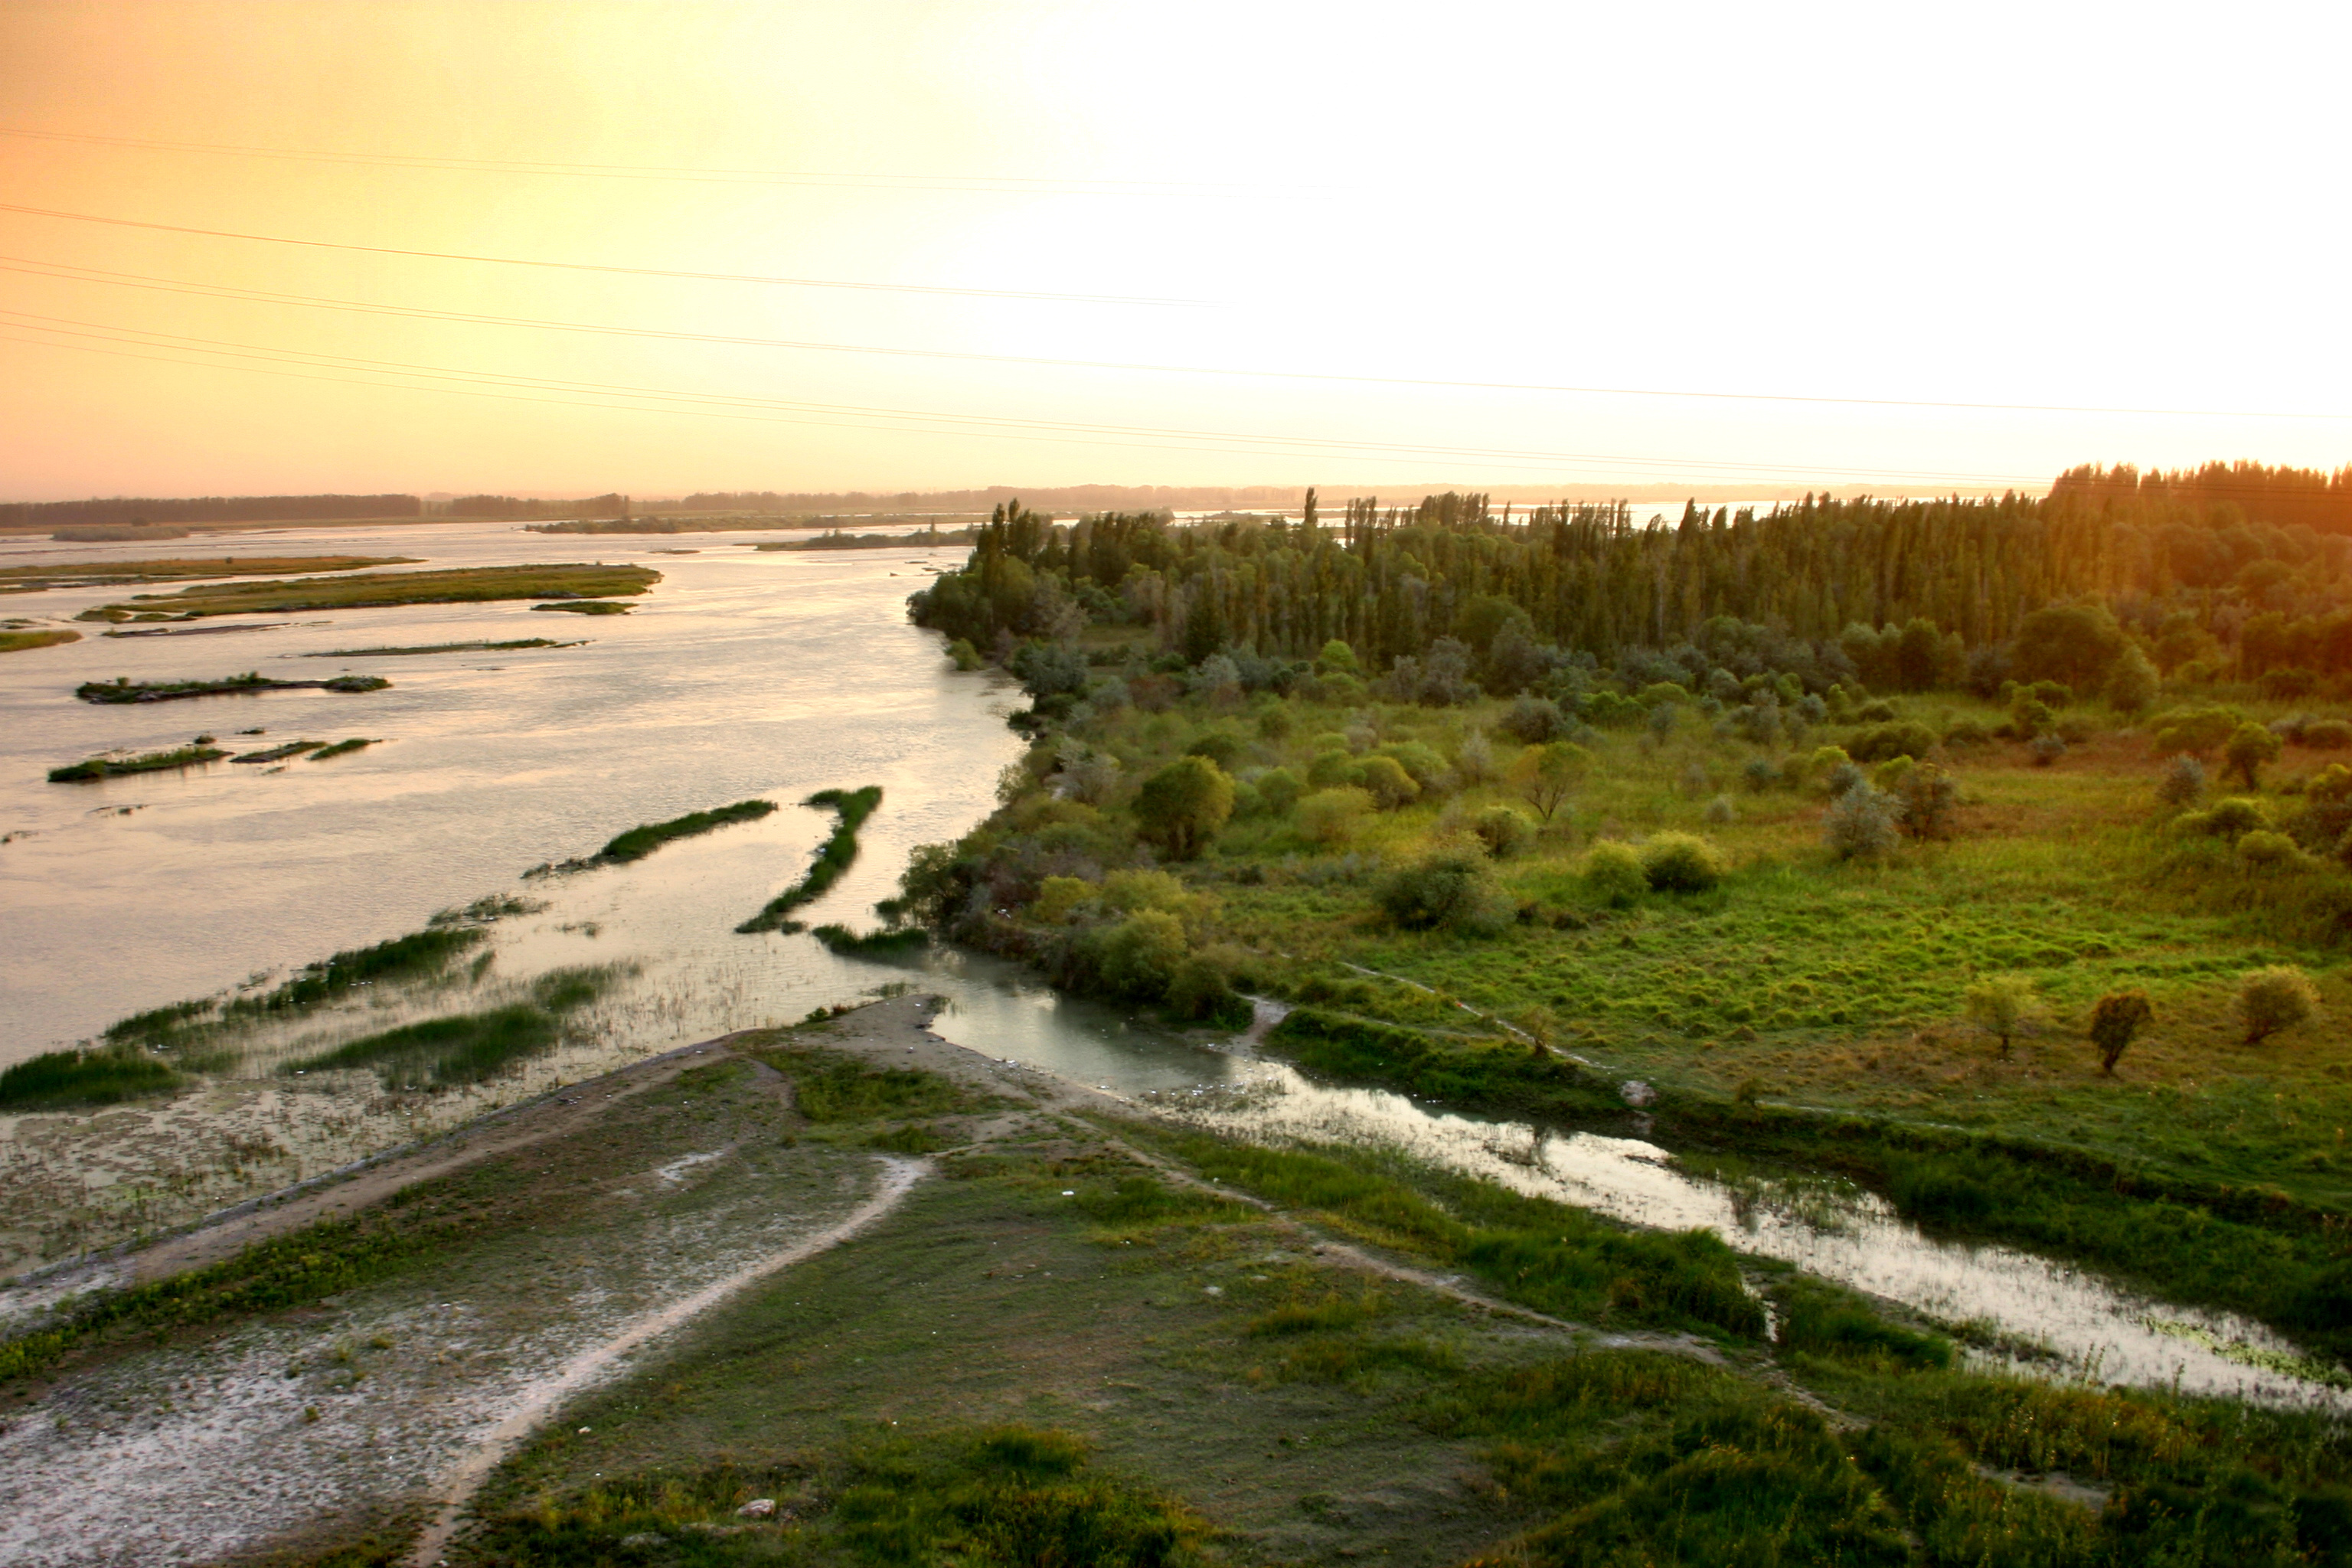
column 2289, row 497
column 201, row 508
column 2205, row 581
column 612, row 506
column 1074, row 497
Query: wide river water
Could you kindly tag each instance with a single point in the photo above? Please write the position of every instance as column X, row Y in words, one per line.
column 741, row 674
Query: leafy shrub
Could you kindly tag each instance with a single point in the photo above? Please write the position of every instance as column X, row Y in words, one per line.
column 1181, row 807
column 1334, row 769
column 1504, row 831
column 1139, row 956
column 2117, row 1018
column 1860, row 823
column 1967, row 732
column 1905, row 740
column 2265, row 852
column 2248, row 747
column 1202, row 989
column 2029, row 718
column 1220, row 746
column 1925, row 798
column 1827, row 760
column 1720, row 810
column 1613, row 873
column 2132, row 682
column 2183, row 784
column 2046, row 750
column 1333, row 815
column 2327, row 734
column 2227, row 819
column 2001, row 1004
column 1535, row 720
column 1275, row 721
column 2195, row 728
column 1278, row 790
column 1427, row 769
column 1058, row 895
column 1845, row 776
column 2286, row 685
column 1449, row 890
column 1385, row 780
column 2275, row 998
column 1890, row 773
column 1761, row 774
column 1879, row 711
column 1681, row 863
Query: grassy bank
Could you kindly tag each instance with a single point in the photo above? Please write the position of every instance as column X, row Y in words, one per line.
column 20, row 642
column 851, row 808
column 61, row 1081
column 462, row 586
column 1054, row 1354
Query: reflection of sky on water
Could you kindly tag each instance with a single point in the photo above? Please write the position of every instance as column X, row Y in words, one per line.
column 1849, row 1237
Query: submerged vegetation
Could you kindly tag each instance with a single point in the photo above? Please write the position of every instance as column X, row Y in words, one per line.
column 123, row 689
column 443, row 647
column 852, row 808
column 343, row 747
column 586, row 607
column 187, row 756
column 460, row 586
column 440, row 1053
column 641, row 841
column 60, row 1080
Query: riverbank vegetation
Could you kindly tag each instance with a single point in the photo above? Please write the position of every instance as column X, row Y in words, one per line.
column 47, row 636
column 851, row 808
column 122, row 689
column 107, row 573
column 95, row 768
column 460, row 586
column 343, row 747
column 586, row 607
column 1750, row 821
column 62, row 1080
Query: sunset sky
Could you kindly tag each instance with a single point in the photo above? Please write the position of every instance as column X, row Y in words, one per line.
column 1282, row 237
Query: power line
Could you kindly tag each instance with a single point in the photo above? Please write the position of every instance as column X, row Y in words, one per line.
column 71, row 272
column 1012, row 184
column 598, row 267
column 531, row 389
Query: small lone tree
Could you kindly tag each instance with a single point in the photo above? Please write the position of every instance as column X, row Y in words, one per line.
column 1181, row 806
column 2275, row 998
column 2116, row 1019
column 1925, row 796
column 2249, row 747
column 2132, row 682
column 2001, row 1004
column 1544, row 774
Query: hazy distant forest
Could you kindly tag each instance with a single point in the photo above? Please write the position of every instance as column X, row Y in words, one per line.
column 2235, row 570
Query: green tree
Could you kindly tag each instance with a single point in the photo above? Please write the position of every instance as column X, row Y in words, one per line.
column 1544, row 774
column 2001, row 1004
column 2249, row 747
column 1181, row 807
column 2132, row 682
column 1387, row 782
column 2119, row 1017
column 1681, row 863
column 1332, row 816
column 2275, row 998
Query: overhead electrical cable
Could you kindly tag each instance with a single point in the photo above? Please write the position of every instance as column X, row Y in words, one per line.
column 604, row 267
column 668, row 400
column 1010, row 183
column 72, row 272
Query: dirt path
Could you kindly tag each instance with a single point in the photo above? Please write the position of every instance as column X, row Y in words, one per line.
column 457, row 1488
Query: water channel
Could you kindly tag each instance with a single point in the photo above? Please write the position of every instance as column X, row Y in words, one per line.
column 744, row 673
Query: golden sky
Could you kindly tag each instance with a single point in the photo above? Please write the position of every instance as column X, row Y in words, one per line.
column 1290, row 244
